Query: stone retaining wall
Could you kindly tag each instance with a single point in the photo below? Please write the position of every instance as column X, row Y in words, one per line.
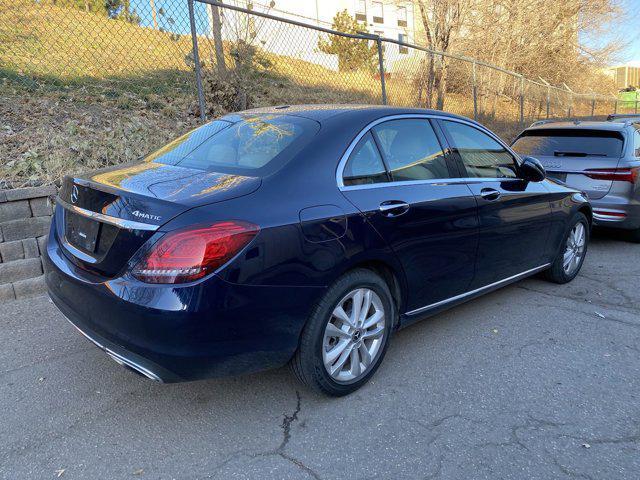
column 25, row 216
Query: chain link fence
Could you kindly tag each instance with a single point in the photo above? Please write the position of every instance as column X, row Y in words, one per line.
column 87, row 83
column 298, row 62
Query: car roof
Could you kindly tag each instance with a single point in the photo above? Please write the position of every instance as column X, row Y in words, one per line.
column 323, row 112
column 580, row 125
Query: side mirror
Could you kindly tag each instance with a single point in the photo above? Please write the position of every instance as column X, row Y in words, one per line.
column 532, row 170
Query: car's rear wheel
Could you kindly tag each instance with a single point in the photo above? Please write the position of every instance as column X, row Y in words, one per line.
column 346, row 337
column 572, row 252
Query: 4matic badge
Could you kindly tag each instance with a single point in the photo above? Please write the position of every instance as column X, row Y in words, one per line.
column 147, row 216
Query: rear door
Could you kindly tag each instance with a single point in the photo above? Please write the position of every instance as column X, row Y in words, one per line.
column 585, row 159
column 514, row 214
column 400, row 177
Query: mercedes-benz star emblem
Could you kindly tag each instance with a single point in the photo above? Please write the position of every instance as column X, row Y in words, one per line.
column 74, row 194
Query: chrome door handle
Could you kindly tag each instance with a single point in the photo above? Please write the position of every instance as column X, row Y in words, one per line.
column 393, row 208
column 489, row 193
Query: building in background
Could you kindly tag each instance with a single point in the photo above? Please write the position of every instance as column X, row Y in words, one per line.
column 386, row 18
column 626, row 75
column 393, row 20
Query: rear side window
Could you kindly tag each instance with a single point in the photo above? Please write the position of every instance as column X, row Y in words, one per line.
column 365, row 164
column 481, row 155
column 254, row 145
column 636, row 141
column 412, row 150
column 569, row 142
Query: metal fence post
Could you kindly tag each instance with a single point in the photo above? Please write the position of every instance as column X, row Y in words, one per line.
column 475, row 94
column 548, row 100
column 522, row 100
column 196, row 60
column 381, row 65
column 570, row 105
column 593, row 105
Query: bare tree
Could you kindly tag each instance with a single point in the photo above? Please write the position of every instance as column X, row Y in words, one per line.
column 441, row 21
column 216, row 30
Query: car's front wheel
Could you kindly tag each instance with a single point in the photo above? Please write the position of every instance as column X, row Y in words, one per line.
column 572, row 251
column 347, row 334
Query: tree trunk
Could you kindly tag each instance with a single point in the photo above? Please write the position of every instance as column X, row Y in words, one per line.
column 442, row 84
column 430, row 81
column 216, row 30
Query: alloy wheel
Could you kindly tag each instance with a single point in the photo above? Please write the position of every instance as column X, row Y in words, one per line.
column 354, row 335
column 574, row 250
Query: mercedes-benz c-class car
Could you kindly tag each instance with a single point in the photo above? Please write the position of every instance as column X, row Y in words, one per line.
column 304, row 235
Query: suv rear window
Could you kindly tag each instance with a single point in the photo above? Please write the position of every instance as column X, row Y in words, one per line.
column 569, row 143
column 255, row 145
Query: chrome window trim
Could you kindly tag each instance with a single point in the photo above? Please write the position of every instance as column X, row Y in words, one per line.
column 504, row 281
column 118, row 222
column 444, row 181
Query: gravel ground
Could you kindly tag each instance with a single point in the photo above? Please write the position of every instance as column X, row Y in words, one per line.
column 535, row 381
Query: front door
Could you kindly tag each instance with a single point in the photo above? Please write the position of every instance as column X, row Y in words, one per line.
column 514, row 214
column 399, row 177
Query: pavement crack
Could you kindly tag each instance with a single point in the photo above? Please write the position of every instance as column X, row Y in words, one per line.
column 566, row 470
column 286, row 423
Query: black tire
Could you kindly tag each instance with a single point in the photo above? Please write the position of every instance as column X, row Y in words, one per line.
column 556, row 273
column 307, row 363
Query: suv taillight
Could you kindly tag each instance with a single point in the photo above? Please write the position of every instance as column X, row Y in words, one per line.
column 615, row 174
column 189, row 254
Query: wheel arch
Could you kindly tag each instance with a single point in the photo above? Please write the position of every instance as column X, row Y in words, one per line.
column 586, row 210
column 392, row 278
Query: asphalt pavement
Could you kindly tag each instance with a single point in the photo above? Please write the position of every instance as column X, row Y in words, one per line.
column 534, row 381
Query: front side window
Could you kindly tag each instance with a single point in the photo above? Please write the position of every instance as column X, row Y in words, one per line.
column 365, row 164
column 411, row 149
column 481, row 155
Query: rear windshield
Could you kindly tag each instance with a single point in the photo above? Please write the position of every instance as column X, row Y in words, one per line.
column 254, row 145
column 569, row 143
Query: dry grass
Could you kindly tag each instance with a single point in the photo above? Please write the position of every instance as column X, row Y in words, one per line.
column 81, row 91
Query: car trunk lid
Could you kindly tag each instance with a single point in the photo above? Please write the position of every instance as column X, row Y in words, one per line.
column 579, row 172
column 110, row 214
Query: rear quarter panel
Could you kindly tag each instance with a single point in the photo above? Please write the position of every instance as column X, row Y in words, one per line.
column 565, row 203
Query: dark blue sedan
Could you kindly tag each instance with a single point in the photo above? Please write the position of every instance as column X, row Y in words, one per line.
column 303, row 235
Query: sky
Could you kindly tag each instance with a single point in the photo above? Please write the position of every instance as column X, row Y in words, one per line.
column 627, row 31
column 631, row 31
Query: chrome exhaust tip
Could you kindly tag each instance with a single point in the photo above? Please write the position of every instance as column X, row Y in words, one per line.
column 133, row 366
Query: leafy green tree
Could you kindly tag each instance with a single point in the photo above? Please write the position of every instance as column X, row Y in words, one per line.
column 353, row 53
column 86, row 5
column 121, row 9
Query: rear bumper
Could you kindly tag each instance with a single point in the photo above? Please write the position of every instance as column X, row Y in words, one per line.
column 202, row 330
column 616, row 213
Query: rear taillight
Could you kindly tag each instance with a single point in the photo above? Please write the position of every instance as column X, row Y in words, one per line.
column 615, row 174
column 189, row 254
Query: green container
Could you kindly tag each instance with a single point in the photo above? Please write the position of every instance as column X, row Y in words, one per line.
column 629, row 100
